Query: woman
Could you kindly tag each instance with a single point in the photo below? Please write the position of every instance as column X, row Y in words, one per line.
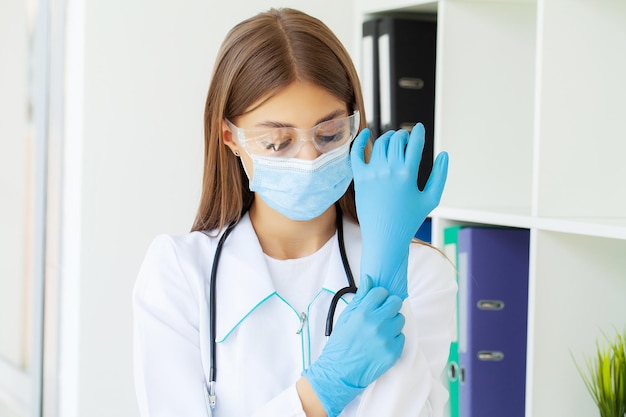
column 282, row 113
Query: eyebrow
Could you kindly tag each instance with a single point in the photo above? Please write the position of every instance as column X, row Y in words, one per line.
column 330, row 116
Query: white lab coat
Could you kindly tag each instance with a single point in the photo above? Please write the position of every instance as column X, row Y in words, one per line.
column 259, row 354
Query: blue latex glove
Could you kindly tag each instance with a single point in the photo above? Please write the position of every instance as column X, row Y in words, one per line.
column 389, row 205
column 366, row 341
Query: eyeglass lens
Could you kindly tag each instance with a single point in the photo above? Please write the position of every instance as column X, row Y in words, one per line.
column 287, row 141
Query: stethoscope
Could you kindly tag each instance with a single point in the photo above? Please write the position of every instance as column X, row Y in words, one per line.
column 351, row 288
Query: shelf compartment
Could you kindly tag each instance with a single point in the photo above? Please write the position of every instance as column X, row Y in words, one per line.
column 485, row 87
column 577, row 286
column 580, row 109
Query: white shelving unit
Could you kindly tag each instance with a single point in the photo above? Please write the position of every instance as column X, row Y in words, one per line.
column 530, row 107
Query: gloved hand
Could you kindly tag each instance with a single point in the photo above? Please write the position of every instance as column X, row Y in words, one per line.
column 389, row 205
column 366, row 341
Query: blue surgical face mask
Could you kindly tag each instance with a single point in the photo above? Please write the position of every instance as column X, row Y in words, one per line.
column 302, row 189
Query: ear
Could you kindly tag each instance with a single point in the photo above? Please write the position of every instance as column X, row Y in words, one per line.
column 227, row 136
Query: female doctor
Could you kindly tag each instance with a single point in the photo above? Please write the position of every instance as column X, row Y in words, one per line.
column 231, row 319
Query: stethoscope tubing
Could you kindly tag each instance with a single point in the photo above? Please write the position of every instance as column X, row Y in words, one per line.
column 212, row 300
column 351, row 288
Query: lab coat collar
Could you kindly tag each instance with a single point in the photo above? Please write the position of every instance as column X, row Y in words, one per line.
column 244, row 283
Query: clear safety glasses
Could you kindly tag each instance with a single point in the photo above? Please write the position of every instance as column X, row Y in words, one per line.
column 286, row 142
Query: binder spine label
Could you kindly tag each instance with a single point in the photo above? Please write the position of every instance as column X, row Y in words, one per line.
column 411, row 83
column 368, row 77
column 384, row 72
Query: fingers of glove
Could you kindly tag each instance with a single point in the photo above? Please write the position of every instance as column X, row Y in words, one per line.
column 395, row 324
column 364, row 287
column 414, row 148
column 375, row 298
column 397, row 147
column 379, row 153
column 398, row 345
column 357, row 151
column 388, row 356
column 437, row 180
column 394, row 347
column 357, row 303
column 390, row 307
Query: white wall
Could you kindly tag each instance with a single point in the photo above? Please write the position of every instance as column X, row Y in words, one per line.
column 15, row 186
column 137, row 78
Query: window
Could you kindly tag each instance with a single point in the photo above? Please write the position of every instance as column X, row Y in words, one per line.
column 22, row 210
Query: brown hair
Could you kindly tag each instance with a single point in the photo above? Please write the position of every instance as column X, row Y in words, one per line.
column 259, row 57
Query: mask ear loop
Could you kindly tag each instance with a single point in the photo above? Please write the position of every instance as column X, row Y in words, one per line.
column 243, row 165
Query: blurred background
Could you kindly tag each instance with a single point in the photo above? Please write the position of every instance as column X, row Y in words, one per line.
column 101, row 142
